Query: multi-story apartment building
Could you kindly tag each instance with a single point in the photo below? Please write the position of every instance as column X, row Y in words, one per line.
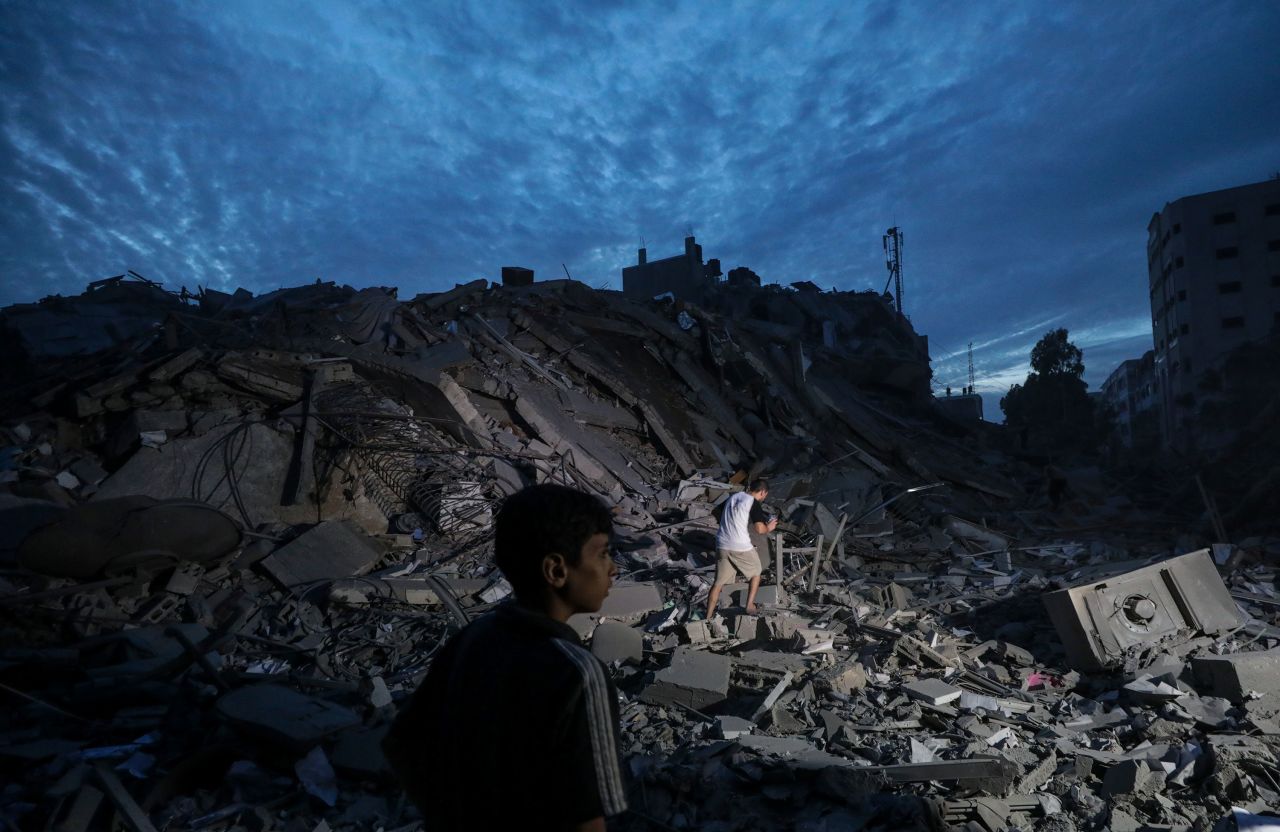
column 1214, row 278
column 1130, row 394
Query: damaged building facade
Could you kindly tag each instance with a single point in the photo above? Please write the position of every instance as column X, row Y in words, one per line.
column 237, row 527
column 1214, row 282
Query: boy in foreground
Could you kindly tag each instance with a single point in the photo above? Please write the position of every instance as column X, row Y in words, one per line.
column 515, row 724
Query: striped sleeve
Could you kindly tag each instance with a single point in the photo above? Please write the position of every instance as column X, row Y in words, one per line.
column 593, row 744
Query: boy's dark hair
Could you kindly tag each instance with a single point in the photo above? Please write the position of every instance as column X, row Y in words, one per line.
column 760, row 484
column 541, row 520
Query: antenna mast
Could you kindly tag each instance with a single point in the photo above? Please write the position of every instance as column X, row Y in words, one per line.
column 892, row 241
column 971, row 381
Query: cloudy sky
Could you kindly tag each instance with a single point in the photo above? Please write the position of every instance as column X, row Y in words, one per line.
column 1022, row 146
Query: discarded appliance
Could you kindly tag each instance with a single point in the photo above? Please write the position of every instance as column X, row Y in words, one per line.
column 1100, row 620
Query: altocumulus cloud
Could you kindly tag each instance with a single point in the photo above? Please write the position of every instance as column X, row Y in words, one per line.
column 1022, row 146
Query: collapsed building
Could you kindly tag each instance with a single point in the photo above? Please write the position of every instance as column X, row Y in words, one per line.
column 237, row 527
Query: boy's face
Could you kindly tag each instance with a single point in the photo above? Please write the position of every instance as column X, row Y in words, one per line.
column 587, row 583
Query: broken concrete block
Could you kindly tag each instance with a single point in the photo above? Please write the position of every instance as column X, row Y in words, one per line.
column 1101, row 619
column 282, row 714
column 767, row 596
column 698, row 632
column 1127, row 777
column 332, row 549
column 1232, row 676
column 843, row 678
column 614, row 642
column 694, row 678
column 747, row 627
column 732, row 727
column 932, row 691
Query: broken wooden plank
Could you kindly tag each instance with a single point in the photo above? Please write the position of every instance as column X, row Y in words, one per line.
column 129, row 810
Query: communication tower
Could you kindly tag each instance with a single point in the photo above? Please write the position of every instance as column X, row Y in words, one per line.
column 892, row 241
column 971, row 380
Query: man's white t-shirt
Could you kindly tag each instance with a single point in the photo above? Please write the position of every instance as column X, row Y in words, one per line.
column 740, row 510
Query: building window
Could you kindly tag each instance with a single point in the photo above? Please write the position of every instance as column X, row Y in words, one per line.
column 1228, row 253
column 1177, row 228
column 1177, row 262
column 1184, row 329
column 1273, row 210
column 1225, row 218
column 1234, row 322
column 1273, row 245
column 1229, row 288
column 1182, row 293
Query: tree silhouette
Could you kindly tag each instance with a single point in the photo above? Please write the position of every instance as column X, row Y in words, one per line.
column 1052, row 406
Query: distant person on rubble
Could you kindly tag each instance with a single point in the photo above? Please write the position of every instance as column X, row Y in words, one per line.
column 734, row 550
column 1055, row 484
column 516, row 725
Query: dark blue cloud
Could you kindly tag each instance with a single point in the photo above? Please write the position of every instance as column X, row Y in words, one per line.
column 1023, row 147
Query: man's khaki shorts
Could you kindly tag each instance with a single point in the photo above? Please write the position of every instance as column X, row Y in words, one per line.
column 748, row 563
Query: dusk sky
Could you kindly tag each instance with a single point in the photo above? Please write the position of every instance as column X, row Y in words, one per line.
column 1021, row 146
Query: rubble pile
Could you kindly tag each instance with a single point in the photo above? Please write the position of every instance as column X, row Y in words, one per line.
column 236, row 528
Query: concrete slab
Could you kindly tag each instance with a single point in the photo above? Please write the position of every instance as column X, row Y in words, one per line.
column 614, row 642
column 767, row 596
column 695, row 678
column 279, row 714
column 932, row 691
column 1232, row 676
column 625, row 602
column 259, row 458
column 332, row 549
column 732, row 727
column 770, row 660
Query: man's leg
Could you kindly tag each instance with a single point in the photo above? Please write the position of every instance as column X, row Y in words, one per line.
column 713, row 599
column 751, row 595
column 724, row 574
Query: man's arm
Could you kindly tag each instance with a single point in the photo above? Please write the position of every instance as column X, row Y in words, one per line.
column 760, row 521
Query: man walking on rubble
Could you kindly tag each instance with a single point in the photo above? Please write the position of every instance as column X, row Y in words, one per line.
column 516, row 725
column 734, row 550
